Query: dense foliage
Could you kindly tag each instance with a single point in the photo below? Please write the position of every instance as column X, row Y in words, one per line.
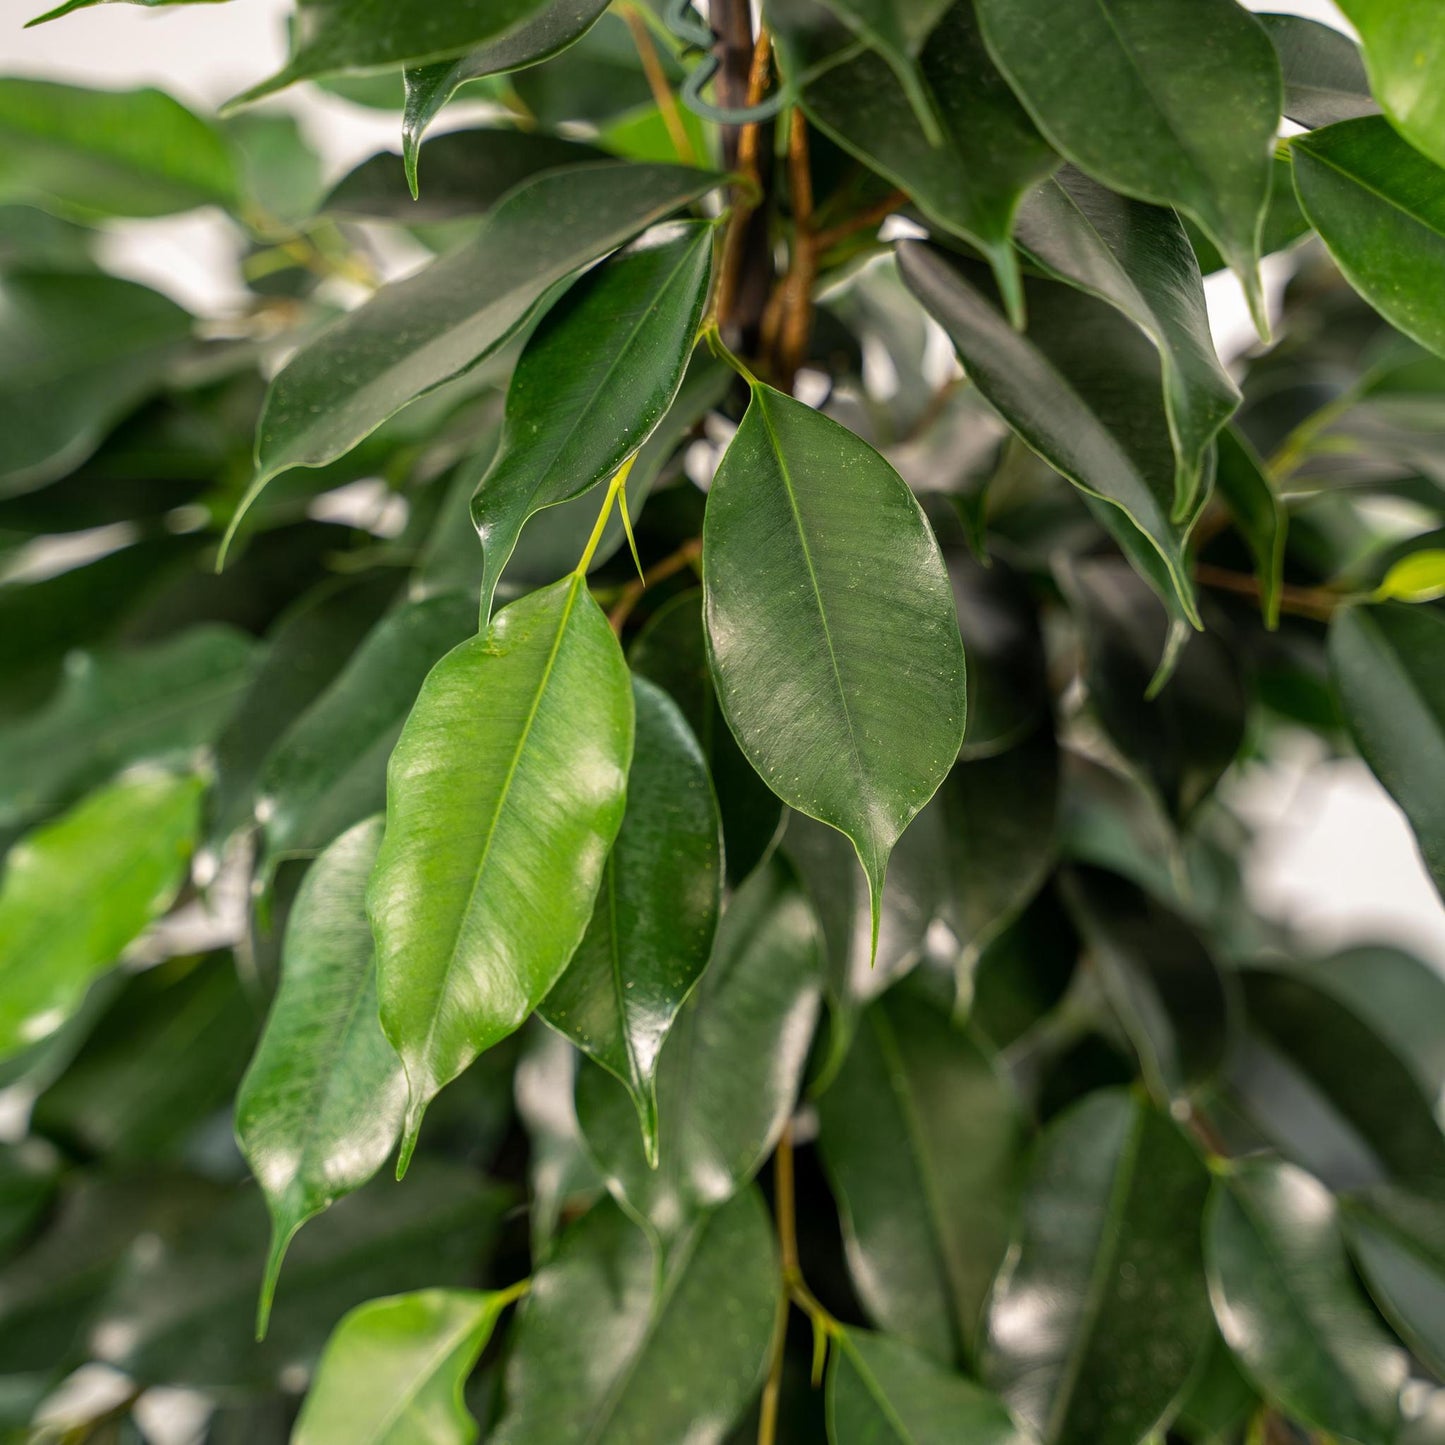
column 621, row 728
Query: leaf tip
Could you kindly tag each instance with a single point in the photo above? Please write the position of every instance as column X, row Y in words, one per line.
column 281, row 1237
column 415, row 1110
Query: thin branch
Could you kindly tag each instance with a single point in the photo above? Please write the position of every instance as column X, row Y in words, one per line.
column 662, row 92
column 1317, row 603
column 745, row 201
column 688, row 555
column 863, row 221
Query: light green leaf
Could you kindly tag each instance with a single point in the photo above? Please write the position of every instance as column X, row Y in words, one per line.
column 1385, row 662
column 77, row 891
column 651, row 933
column 801, row 518
column 729, row 1074
column 881, row 1390
column 504, row 795
column 95, row 153
column 1379, row 205
column 1289, row 1308
column 1324, row 73
column 594, row 380
column 922, row 1140
column 1174, row 102
column 1416, row 577
column 1257, row 512
column 615, row 1346
column 1138, row 259
column 394, row 1370
column 1405, row 53
column 321, row 1105
column 76, row 354
column 1096, row 1327
column 71, row 5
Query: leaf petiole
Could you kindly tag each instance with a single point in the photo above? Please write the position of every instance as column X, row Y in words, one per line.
column 614, row 489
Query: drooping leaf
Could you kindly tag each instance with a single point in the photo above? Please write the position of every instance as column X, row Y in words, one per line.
column 1385, row 662
column 922, row 1139
column 77, row 891
column 879, row 675
column 1138, row 258
column 1284, row 222
column 651, row 933
column 321, row 1105
column 1379, row 205
column 882, row 1390
column 1324, row 72
column 115, row 708
column 504, row 795
column 1288, row 1307
column 548, row 29
column 393, row 1370
column 328, row 770
column 604, row 1325
column 1082, row 389
column 76, row 354
column 1193, row 101
column 1405, row 55
column 595, row 379
column 1256, row 510
column 729, row 1073
column 97, row 153
column 1096, row 1327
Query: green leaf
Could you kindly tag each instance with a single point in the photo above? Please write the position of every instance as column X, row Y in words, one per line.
column 1096, row 1327
column 504, row 795
column 728, row 1076
column 97, row 153
column 1385, row 662
column 417, row 333
column 1404, row 51
column 1324, row 73
column 280, row 174
column 1138, row 259
column 394, row 1370
column 614, row 1346
column 328, row 771
column 1288, row 1307
column 971, row 182
column 548, row 29
column 77, row 891
column 1379, row 205
column 651, row 933
column 1258, row 514
column 594, row 380
column 321, row 1105
column 801, row 516
column 922, row 1140
column 76, row 354
column 881, row 1390
column 1082, row 389
column 1416, row 577
column 71, row 5
column 155, row 703
column 1193, row 101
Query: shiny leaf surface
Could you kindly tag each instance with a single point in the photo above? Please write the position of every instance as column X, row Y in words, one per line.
column 1405, row 53
column 1324, row 72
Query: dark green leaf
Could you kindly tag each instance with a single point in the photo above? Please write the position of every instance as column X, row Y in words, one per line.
column 1193, row 100
column 1284, row 222
column 1324, row 73
column 897, row 30
column 651, row 933
column 1403, row 49
column 504, row 794
column 1257, row 512
column 280, row 173
column 606, row 1351
column 1289, row 1308
column 801, row 513
column 1096, row 1327
column 29, row 1172
column 922, row 1140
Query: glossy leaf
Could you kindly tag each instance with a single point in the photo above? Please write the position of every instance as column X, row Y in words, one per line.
column 547, row 29
column 897, row 31
column 1324, row 72
column 1289, row 1308
column 1257, row 512
column 504, row 795
column 922, row 1139
column 881, row 1390
column 321, row 1105
column 1097, row 1326
column 1060, row 390
column 1385, row 662
column 651, row 933
column 97, row 153
column 77, row 891
column 393, row 1370
column 1138, row 259
column 604, row 1324
column 1379, row 206
column 595, row 379
column 1193, row 91
column 1404, row 52
column 1416, row 577
column 729, row 1074
column 799, row 511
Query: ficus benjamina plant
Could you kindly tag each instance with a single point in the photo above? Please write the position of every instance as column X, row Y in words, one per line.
column 631, row 834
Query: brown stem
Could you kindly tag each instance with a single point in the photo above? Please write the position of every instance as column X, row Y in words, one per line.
column 688, row 555
column 824, row 241
column 1317, row 603
column 797, row 320
column 657, row 82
